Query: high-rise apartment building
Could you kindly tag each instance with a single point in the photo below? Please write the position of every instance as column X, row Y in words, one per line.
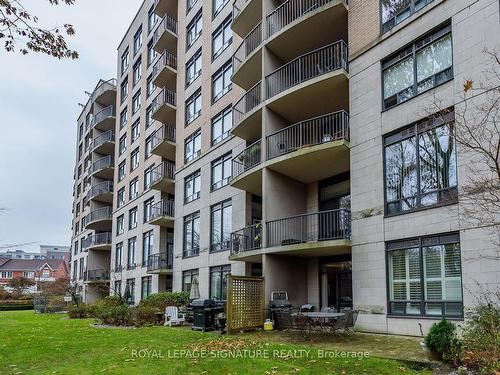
column 301, row 141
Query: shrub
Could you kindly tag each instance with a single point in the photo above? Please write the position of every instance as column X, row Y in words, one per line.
column 116, row 316
column 144, row 315
column 442, row 340
column 78, row 312
column 481, row 339
column 161, row 300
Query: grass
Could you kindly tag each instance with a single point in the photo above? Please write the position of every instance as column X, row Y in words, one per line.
column 54, row 344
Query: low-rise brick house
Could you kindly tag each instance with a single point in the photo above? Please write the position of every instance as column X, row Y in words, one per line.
column 35, row 269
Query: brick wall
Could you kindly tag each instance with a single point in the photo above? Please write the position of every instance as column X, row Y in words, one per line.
column 364, row 24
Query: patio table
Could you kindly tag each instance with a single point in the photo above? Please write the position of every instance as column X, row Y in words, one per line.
column 321, row 317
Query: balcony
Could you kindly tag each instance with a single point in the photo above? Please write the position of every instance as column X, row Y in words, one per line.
column 311, row 150
column 104, row 143
column 165, row 36
column 96, row 276
column 162, row 7
column 104, row 93
column 98, row 241
column 99, row 219
column 101, row 192
column 162, row 263
column 105, row 119
column 165, row 70
column 247, row 114
column 163, row 177
column 163, row 142
column 163, row 106
column 246, row 14
column 320, row 75
column 297, row 26
column 245, row 175
column 247, row 60
column 162, row 213
column 324, row 233
column 103, row 167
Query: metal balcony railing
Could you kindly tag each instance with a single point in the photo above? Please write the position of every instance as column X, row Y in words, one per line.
column 100, row 188
column 96, row 275
column 102, row 163
column 318, row 226
column 105, row 137
column 247, row 46
column 322, row 129
column 103, row 87
column 290, row 11
column 165, row 96
column 165, row 133
column 166, row 59
column 305, row 67
column 97, row 240
column 165, row 170
column 247, row 159
column 246, row 239
column 103, row 213
column 167, row 23
column 250, row 100
column 162, row 261
column 103, row 115
column 163, row 208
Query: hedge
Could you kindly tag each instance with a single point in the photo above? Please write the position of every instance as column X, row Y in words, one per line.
column 13, row 306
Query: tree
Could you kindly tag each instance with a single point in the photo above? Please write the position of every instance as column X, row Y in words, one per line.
column 58, row 287
column 20, row 284
column 19, row 28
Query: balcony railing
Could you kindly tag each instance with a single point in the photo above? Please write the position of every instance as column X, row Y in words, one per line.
column 166, row 59
column 97, row 240
column 246, row 239
column 103, row 115
column 322, row 129
column 103, row 213
column 165, row 133
column 102, row 163
column 247, row 46
column 251, row 99
column 165, row 96
column 167, row 23
column 289, row 11
column 247, row 159
column 103, row 138
column 165, row 170
column 162, row 261
column 163, row 208
column 318, row 226
column 305, row 67
column 100, row 188
column 103, row 87
column 96, row 275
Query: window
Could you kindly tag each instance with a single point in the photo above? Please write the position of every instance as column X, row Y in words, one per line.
column 149, row 117
column 192, row 187
column 146, row 286
column 149, row 147
column 221, row 171
column 121, row 171
column 124, row 90
column 147, row 247
column 152, row 19
column 150, row 88
column 420, row 67
column 130, row 291
column 118, row 255
column 81, row 266
column 420, row 166
column 75, row 248
column 134, row 159
column 396, row 11
column 137, row 72
column 151, row 53
column 194, row 29
column 187, row 279
column 136, row 102
column 138, row 40
column 193, row 67
column 122, row 144
column 118, row 287
column 133, row 189
column 218, row 282
column 222, row 37
column 425, row 276
column 221, row 81
column 192, row 146
column 136, row 129
column 217, row 6
column 191, row 235
column 123, row 118
column 120, row 224
column 121, row 197
column 124, row 61
column 220, row 224
column 148, row 176
column 189, row 5
column 193, row 107
column 6, row 275
column 75, row 269
column 148, row 209
column 132, row 242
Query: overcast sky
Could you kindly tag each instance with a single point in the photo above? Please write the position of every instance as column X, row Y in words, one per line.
column 39, row 98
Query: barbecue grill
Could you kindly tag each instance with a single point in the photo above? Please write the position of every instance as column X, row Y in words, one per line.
column 204, row 311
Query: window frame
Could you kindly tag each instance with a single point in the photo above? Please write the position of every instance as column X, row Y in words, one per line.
column 190, row 273
column 193, row 24
column 221, row 74
column 192, row 138
column 225, row 179
column 193, row 99
column 193, row 251
column 222, row 245
column 412, row 10
column 196, row 194
column 224, row 271
column 133, row 188
column 221, row 30
column 192, row 61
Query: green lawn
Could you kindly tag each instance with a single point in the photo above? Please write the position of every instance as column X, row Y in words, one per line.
column 54, row 344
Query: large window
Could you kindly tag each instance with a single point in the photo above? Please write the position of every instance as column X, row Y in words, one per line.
column 221, row 171
column 221, row 81
column 222, row 37
column 192, row 146
column 120, row 224
column 193, row 67
column 147, row 282
column 134, row 159
column 194, row 29
column 136, row 102
column 420, row 166
column 137, row 71
column 121, row 170
column 396, row 11
column 420, row 67
column 138, row 40
column 148, row 176
column 152, row 19
column 124, row 90
column 425, row 276
column 120, row 200
column 218, row 282
column 217, row 6
column 132, row 218
column 132, row 242
column 124, row 61
column 118, row 256
column 187, row 279
column 220, row 236
column 147, row 247
column 221, row 125
column 191, row 235
column 133, row 190
column 193, row 107
column 148, row 209
column 122, row 144
column 192, row 187
column 130, row 291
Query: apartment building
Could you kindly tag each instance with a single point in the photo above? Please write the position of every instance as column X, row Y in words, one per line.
column 93, row 192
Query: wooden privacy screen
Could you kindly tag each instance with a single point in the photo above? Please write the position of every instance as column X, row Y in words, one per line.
column 245, row 303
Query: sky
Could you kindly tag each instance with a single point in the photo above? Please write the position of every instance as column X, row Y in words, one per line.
column 39, row 98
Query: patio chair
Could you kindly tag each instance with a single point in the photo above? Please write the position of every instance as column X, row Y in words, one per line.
column 346, row 322
column 283, row 320
column 172, row 316
column 351, row 321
